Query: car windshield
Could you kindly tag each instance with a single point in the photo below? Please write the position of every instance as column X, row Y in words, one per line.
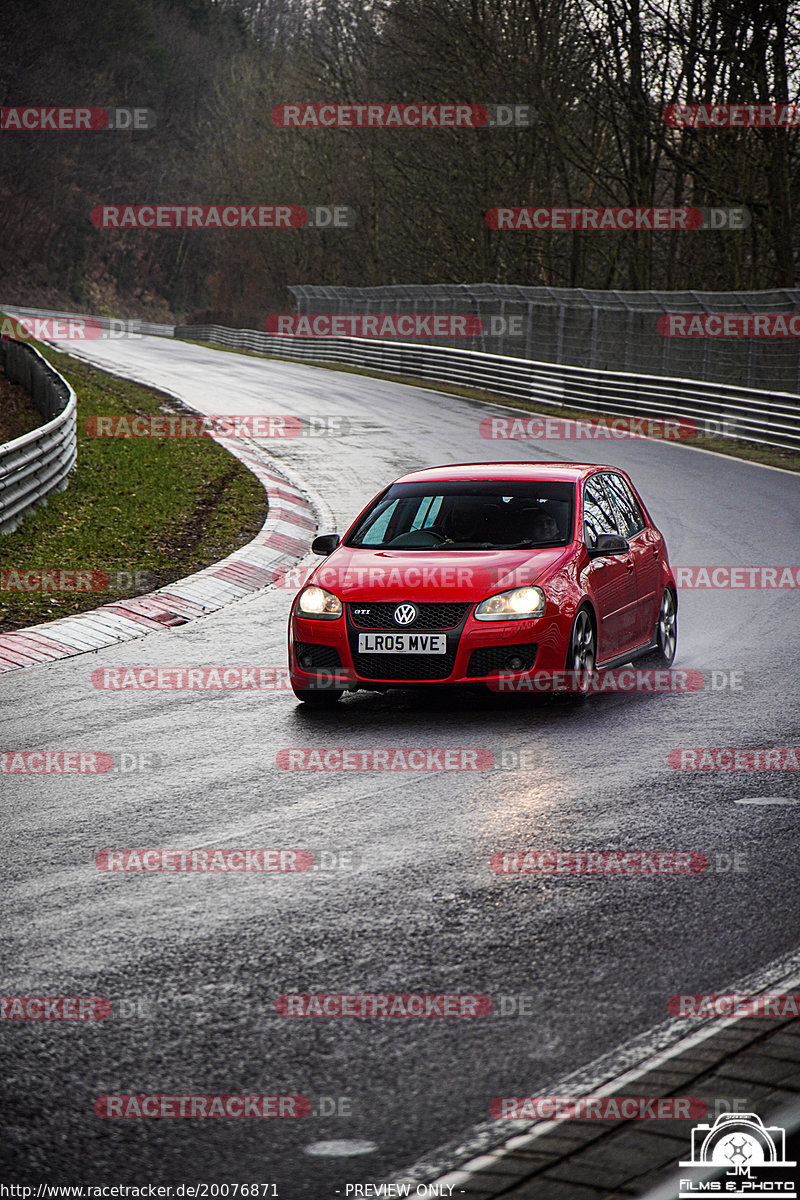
column 468, row 515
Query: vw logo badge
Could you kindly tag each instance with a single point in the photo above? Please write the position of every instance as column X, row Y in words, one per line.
column 405, row 614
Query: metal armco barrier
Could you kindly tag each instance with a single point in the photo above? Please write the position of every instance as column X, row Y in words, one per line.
column 114, row 327
column 38, row 463
column 722, row 410
column 771, row 418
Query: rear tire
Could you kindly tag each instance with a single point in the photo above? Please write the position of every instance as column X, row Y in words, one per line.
column 666, row 633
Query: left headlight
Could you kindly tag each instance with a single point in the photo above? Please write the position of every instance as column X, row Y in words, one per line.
column 517, row 603
column 317, row 602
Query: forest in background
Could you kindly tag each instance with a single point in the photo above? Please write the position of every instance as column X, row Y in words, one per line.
column 596, row 73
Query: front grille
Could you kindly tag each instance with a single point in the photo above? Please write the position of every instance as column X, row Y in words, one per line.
column 429, row 616
column 490, row 659
column 404, row 666
column 323, row 658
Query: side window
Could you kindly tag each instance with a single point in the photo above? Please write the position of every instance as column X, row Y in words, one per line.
column 631, row 517
column 598, row 512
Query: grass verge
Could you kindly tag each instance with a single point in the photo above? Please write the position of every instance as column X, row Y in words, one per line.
column 165, row 506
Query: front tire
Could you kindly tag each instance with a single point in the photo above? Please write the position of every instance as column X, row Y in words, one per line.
column 666, row 634
column 582, row 653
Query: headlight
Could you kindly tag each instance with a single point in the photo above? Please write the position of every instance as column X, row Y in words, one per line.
column 518, row 603
column 316, row 602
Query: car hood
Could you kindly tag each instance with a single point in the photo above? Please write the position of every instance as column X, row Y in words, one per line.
column 433, row 575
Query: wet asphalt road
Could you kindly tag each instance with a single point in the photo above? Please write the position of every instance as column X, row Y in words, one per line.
column 194, row 963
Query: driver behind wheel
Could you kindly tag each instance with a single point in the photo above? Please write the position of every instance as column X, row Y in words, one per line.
column 543, row 528
column 465, row 520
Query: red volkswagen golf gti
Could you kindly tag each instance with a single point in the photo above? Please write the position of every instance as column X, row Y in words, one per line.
column 462, row 574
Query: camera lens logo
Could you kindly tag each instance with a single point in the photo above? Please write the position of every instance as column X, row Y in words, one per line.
column 738, row 1153
column 405, row 614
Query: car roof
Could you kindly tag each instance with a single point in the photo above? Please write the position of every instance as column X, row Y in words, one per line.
column 559, row 472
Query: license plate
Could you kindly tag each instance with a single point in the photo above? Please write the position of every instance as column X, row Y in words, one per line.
column 402, row 643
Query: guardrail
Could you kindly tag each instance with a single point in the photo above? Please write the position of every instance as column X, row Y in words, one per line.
column 116, row 327
column 770, row 418
column 37, row 464
column 721, row 410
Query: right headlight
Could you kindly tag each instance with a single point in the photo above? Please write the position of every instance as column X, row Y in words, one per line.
column 317, row 602
column 516, row 604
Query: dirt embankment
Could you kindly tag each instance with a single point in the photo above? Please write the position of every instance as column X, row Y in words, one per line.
column 18, row 412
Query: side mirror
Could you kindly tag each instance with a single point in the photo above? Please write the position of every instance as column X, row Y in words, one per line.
column 325, row 544
column 608, row 543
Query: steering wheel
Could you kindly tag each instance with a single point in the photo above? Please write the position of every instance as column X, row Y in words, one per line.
column 416, row 537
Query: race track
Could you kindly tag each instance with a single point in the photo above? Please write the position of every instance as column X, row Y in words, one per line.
column 199, row 960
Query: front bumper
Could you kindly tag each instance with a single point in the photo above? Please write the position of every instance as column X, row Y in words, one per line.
column 325, row 653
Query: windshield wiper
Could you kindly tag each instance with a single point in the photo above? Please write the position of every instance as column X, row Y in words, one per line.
column 534, row 543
